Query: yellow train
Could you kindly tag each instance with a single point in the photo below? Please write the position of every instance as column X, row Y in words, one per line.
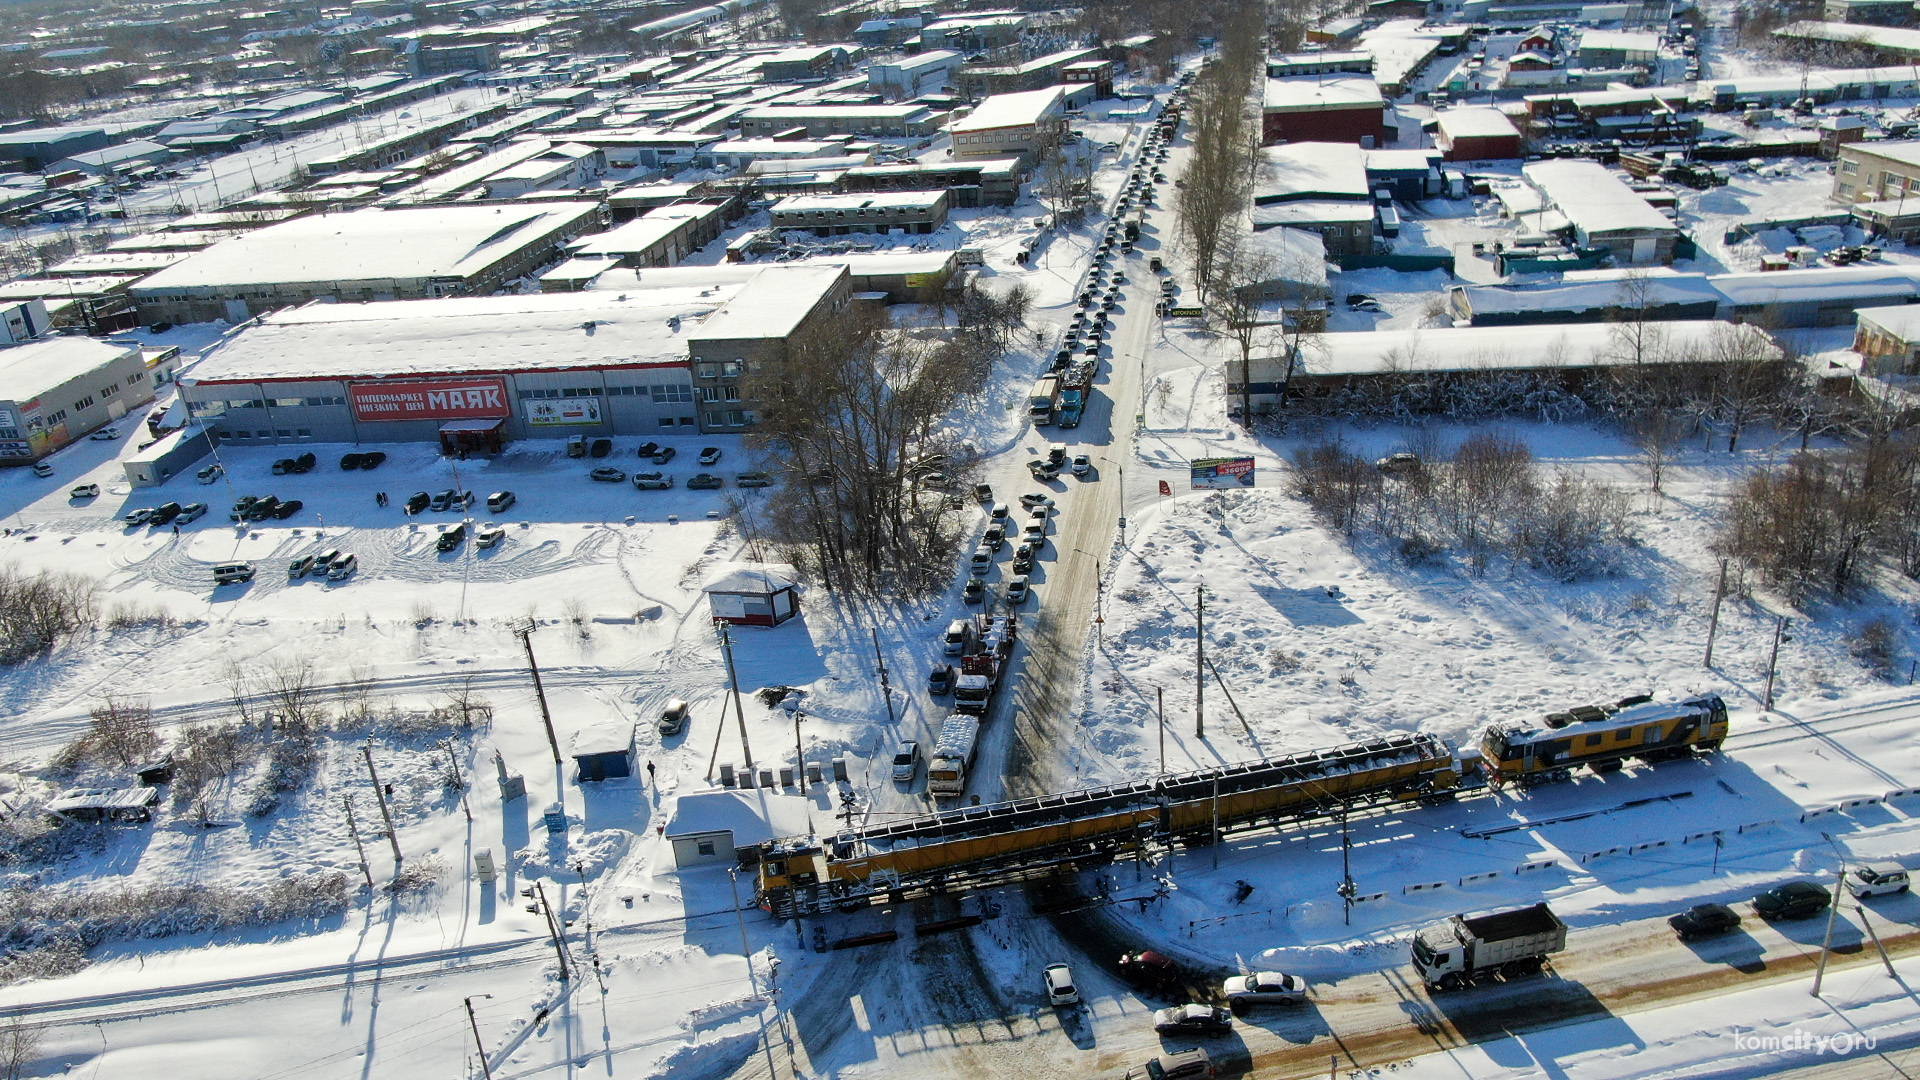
column 1602, row 738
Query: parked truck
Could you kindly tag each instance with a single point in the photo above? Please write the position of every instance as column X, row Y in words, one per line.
column 1074, row 388
column 981, row 669
column 1463, row 949
column 952, row 755
column 1040, row 403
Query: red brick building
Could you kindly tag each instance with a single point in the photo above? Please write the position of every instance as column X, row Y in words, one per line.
column 1475, row 133
column 1325, row 108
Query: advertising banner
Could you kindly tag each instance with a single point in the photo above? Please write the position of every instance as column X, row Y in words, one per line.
column 454, row 399
column 1222, row 472
column 556, row 412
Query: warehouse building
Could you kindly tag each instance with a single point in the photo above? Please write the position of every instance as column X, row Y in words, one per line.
column 37, row 148
column 1011, row 125
column 1889, row 339
column 474, row 373
column 911, row 76
column 368, row 255
column 1603, row 211
column 1475, row 133
column 877, row 212
column 820, row 121
column 1324, row 108
column 975, row 182
column 56, row 390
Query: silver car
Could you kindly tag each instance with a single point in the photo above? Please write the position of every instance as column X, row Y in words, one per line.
column 1265, row 988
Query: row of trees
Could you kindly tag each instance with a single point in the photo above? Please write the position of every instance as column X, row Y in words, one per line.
column 1223, row 123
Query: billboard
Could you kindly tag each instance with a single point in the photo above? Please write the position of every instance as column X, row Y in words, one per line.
column 453, row 399
column 561, row 411
column 1222, row 472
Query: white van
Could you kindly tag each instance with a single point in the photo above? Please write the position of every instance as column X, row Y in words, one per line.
column 957, row 633
column 228, row 573
column 982, row 560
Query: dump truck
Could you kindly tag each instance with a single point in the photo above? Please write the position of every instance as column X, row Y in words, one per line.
column 952, row 755
column 982, row 668
column 1464, row 949
column 1040, row 403
column 1074, row 388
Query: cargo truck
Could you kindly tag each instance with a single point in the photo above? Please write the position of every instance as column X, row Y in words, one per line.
column 952, row 755
column 1464, row 949
column 1074, row 388
column 1040, row 403
column 981, row 670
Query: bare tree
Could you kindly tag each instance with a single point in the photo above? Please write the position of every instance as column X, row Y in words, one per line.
column 19, row 1046
column 1656, row 433
column 123, row 729
column 1637, row 336
column 291, row 688
column 241, row 683
column 1269, row 298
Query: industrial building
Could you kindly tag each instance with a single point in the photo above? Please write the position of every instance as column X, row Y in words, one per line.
column 1876, row 171
column 1324, row 108
column 1318, row 187
column 911, row 76
column 876, row 212
column 56, row 390
column 367, row 255
column 975, row 182
column 1604, row 212
column 1475, row 133
column 1889, row 339
column 820, row 121
column 477, row 372
column 1784, row 299
column 1016, row 125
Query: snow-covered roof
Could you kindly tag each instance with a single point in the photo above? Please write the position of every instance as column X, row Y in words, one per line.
column 1819, row 283
column 1306, row 93
column 1901, row 320
column 1884, row 38
column 1594, row 199
column 1336, row 170
column 750, row 578
column 603, row 737
column 1299, row 256
column 1383, row 161
column 899, row 200
column 1474, row 122
column 544, row 331
column 1588, row 294
column 1904, row 151
column 772, row 304
column 1620, row 40
column 643, row 232
column 1307, row 212
column 1477, row 348
column 753, row 816
column 412, row 243
column 1023, row 109
column 36, row 367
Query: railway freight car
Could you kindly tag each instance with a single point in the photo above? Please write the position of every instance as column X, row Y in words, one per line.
column 1603, row 738
column 974, row 847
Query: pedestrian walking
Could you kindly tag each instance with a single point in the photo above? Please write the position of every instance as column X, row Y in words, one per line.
column 176, row 530
column 649, row 772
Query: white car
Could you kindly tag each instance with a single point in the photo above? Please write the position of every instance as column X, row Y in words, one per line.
column 1265, row 988
column 905, row 760
column 1082, row 464
column 1870, row 880
column 105, row 434
column 209, row 474
column 1058, row 979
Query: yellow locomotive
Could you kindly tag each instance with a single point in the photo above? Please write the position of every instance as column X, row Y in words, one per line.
column 1602, row 738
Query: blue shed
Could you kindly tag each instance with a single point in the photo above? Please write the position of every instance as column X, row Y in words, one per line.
column 604, row 751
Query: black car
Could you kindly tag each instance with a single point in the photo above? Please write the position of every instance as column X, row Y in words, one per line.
column 452, row 537
column 940, row 679
column 350, row 462
column 287, row 509
column 1704, row 920
column 983, row 492
column 1794, row 900
column 648, row 449
column 600, row 448
column 418, row 501
column 304, row 463
column 261, row 510
column 704, row 482
column 372, row 459
column 163, row 514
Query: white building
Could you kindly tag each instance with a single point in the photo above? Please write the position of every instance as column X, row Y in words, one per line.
column 1603, row 211
column 911, row 76
column 1008, row 125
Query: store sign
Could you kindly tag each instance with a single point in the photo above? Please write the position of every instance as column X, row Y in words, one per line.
column 1222, row 472
column 562, row 411
column 465, row 399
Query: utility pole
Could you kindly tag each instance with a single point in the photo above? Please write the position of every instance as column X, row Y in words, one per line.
column 1826, row 942
column 733, row 682
column 1347, row 888
column 539, row 691
column 1713, row 624
column 554, row 928
column 1160, row 710
column 380, row 793
column 354, row 830
column 479, row 1046
column 1779, row 635
column 880, row 663
column 1216, row 821
column 1200, row 661
column 799, row 755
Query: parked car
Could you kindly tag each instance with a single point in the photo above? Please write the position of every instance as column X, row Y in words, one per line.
column 652, row 481
column 299, row 567
column 452, row 537
column 1193, row 1019
column 500, row 500
column 285, row 510
column 601, row 448
column 607, row 474
column 262, row 509
column 664, row 455
column 704, row 482
column 350, row 462
column 996, row 536
column 1024, row 557
column 371, row 460
column 1149, row 969
column 242, row 505
column 983, row 492
column 43, row 468
column 190, row 513
column 84, row 491
column 342, row 568
column 418, row 501
column 163, row 514
column 1017, row 589
column 326, row 559
column 1794, row 900
column 649, row 448
column 489, row 536
column 137, row 516
column 1043, row 470
column 975, row 590
column 1265, row 988
column 283, row 466
column 209, row 473
column 1058, row 981
column 940, row 679
column 998, row 512
column 459, row 500
column 673, row 718
column 105, row 434
column 1871, row 880
column 1034, row 498
column 1398, row 464
column 709, row 455
column 906, row 760
column 232, row 573
column 753, row 480
column 1704, row 920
